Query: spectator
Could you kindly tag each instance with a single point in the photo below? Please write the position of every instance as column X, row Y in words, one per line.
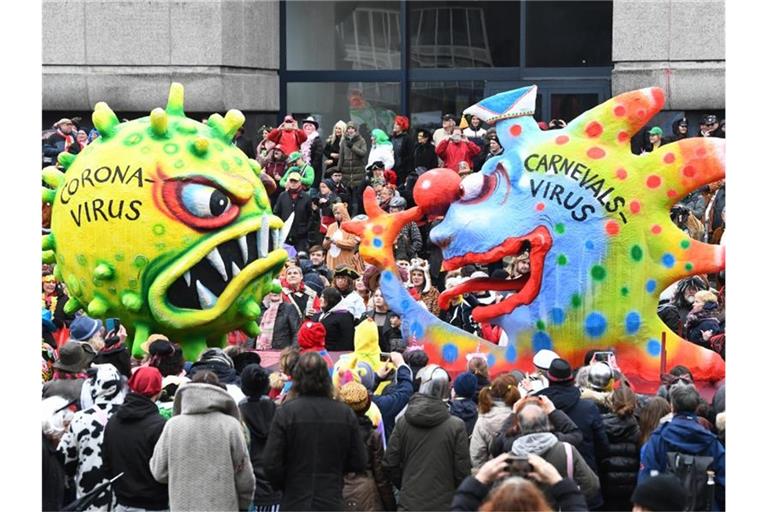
column 87, row 330
column 312, row 149
column 352, row 157
column 703, row 321
column 369, row 489
column 459, row 312
column 658, row 493
column 56, row 417
column 313, row 441
column 475, row 131
column 257, row 412
column 494, row 148
column 376, row 171
column 679, row 130
column 495, row 405
column 402, row 146
column 219, row 476
column 265, row 145
column 316, row 262
column 599, row 386
column 297, row 164
column 288, row 135
column 69, row 371
column 322, row 205
column 655, row 135
column 408, row 243
column 295, row 292
column 381, row 314
column 166, row 356
column 385, row 197
column 59, row 141
column 81, row 140
column 619, row 467
column 461, row 405
column 332, row 148
column 294, row 200
column 478, row 366
column 81, row 446
column 243, row 143
column 275, row 163
column 216, row 361
column 449, row 123
column 709, row 127
column 279, row 323
column 338, row 322
column 424, row 151
column 455, row 149
column 311, row 338
column 115, row 352
column 685, row 294
column 341, row 246
column 129, row 441
column 428, row 454
column 54, row 298
column 337, row 186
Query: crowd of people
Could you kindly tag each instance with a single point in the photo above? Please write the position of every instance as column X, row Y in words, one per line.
column 225, row 433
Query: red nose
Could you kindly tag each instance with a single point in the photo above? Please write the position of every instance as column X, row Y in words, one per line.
column 436, row 189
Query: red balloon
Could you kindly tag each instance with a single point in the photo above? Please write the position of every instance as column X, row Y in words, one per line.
column 436, row 189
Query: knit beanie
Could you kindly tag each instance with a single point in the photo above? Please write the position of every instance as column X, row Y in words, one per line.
column 356, row 396
column 311, row 335
column 146, row 381
column 254, row 380
column 216, row 355
column 465, row 385
column 660, row 492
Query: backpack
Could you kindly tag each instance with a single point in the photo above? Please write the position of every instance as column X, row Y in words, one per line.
column 691, row 471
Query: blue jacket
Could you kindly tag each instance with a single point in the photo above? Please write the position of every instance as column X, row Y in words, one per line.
column 684, row 434
column 395, row 397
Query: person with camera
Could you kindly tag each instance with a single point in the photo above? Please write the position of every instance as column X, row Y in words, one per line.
column 288, row 135
column 455, row 149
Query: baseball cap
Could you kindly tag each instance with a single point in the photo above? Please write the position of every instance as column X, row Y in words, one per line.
column 294, row 176
column 656, row 131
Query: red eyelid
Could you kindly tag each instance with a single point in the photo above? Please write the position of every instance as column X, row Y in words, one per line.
column 171, row 193
column 489, row 184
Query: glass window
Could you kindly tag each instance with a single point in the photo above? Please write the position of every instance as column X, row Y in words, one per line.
column 430, row 100
column 569, row 106
column 464, row 34
column 342, row 35
column 570, row 34
column 369, row 104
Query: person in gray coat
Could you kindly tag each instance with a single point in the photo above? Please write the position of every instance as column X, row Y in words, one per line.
column 428, row 454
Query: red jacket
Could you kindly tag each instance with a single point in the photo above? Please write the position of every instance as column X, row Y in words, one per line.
column 290, row 140
column 452, row 153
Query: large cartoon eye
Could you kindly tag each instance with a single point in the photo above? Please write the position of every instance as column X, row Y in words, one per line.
column 199, row 203
column 472, row 186
column 204, row 201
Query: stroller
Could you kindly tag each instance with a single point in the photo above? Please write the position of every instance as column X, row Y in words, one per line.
column 83, row 503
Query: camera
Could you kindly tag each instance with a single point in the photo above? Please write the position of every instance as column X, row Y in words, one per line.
column 519, row 466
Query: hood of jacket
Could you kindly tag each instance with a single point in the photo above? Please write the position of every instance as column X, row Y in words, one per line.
column 136, row 407
column 199, row 398
column 380, row 137
column 563, row 397
column 599, row 397
column 367, row 339
column 104, row 388
column 685, row 433
column 257, row 414
column 464, row 408
column 621, row 428
column 426, row 411
column 225, row 374
column 496, row 416
column 538, row 443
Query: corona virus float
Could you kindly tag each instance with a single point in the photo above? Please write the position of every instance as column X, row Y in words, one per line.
column 596, row 220
column 165, row 224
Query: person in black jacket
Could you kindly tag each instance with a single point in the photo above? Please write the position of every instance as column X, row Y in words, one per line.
column 312, row 442
column 295, row 200
column 129, row 441
column 402, row 146
column 56, row 418
column 619, row 467
column 257, row 412
column 424, row 152
column 338, row 322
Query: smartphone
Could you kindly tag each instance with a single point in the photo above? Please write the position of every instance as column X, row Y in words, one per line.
column 601, row 356
column 384, row 357
column 112, row 324
column 518, row 466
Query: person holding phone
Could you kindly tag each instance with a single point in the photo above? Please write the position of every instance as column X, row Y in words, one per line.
column 455, row 149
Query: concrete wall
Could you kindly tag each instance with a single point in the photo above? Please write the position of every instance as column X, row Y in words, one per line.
column 127, row 52
column 673, row 44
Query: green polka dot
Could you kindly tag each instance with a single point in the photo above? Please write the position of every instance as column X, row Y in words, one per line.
column 158, row 229
column 598, row 273
column 576, row 300
column 119, row 256
column 171, row 148
column 146, row 149
column 238, row 160
column 624, row 291
column 224, row 165
column 133, row 284
column 140, row 261
column 540, row 325
column 689, row 266
column 160, row 246
column 636, row 252
column 81, row 260
column 560, row 228
column 562, row 259
column 685, row 244
column 133, row 139
column 179, row 164
column 113, row 291
column 218, row 147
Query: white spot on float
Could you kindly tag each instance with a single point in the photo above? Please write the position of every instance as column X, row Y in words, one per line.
column 426, row 184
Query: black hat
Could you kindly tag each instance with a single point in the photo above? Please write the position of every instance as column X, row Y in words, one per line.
column 709, row 119
column 560, row 371
column 378, row 164
column 683, row 122
column 660, row 492
column 310, row 120
column 244, row 359
column 254, row 380
column 345, row 271
column 75, row 357
column 449, row 117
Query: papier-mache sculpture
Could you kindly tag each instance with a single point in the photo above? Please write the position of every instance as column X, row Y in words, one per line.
column 596, row 220
column 165, row 224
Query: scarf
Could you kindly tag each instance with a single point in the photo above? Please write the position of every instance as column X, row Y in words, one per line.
column 264, row 341
column 68, row 139
column 537, row 443
column 708, row 311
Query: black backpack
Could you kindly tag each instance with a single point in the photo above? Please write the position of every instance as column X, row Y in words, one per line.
column 691, row 470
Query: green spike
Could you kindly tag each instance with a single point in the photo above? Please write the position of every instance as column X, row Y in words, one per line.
column 132, row 301
column 250, row 309
column 233, row 120
column 48, row 242
column 97, row 307
column 73, row 285
column 216, row 122
column 104, row 271
column 158, row 120
column 175, row 105
column 255, row 166
column 49, row 257
column 49, row 195
column 187, row 126
column 53, row 177
column 276, row 287
column 65, row 159
column 57, row 272
column 104, row 120
column 252, row 329
column 72, row 306
column 200, row 146
column 140, row 335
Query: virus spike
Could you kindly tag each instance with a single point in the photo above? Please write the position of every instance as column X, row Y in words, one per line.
column 53, row 177
column 65, row 159
column 216, row 122
column 252, row 329
column 706, row 258
column 49, row 257
column 187, row 126
column 104, row 271
column 48, row 242
column 250, row 309
column 158, row 120
column 97, row 307
column 140, row 335
column 57, row 272
column 73, row 285
column 175, row 105
column 104, row 120
column 49, row 195
column 255, row 166
column 200, row 146
column 72, row 306
column 131, row 300
column 626, row 113
column 233, row 120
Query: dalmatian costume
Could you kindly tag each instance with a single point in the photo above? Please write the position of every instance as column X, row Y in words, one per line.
column 81, row 444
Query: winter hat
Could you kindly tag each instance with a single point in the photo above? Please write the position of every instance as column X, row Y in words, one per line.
column 146, row 381
column 356, row 396
column 313, row 281
column 600, row 376
column 294, row 156
column 74, row 357
column 217, row 355
column 660, row 492
column 254, row 380
column 560, row 371
column 656, row 131
column 244, row 359
column 465, row 385
column 311, row 335
column 544, row 358
column 83, row 328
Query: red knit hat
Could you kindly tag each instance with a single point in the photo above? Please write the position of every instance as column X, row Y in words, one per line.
column 146, row 381
column 403, row 122
column 311, row 336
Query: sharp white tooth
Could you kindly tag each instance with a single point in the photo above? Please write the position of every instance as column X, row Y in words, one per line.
column 243, row 247
column 215, row 258
column 207, row 298
column 286, row 229
column 276, row 244
column 187, row 278
column 235, row 270
column 264, row 237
